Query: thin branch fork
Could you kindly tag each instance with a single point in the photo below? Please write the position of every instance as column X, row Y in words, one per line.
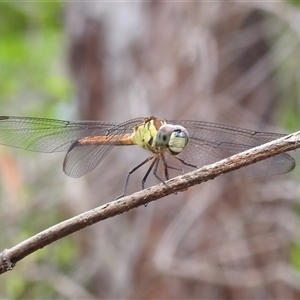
column 9, row 257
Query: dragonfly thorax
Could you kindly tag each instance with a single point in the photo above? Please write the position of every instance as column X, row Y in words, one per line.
column 155, row 135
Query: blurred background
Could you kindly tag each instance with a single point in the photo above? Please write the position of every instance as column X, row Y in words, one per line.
column 226, row 62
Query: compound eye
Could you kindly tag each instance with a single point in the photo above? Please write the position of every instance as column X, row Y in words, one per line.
column 164, row 134
column 179, row 132
column 179, row 139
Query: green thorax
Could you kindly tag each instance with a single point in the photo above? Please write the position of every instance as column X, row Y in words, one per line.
column 145, row 134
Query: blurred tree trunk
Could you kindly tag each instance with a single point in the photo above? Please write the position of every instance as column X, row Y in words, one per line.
column 202, row 61
column 87, row 56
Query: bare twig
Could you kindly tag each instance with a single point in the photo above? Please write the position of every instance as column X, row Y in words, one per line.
column 9, row 257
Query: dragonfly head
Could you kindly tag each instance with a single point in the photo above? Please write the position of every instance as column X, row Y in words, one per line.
column 173, row 137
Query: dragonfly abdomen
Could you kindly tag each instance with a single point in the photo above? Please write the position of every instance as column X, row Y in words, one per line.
column 106, row 140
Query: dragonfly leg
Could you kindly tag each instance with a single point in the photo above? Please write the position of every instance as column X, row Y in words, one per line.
column 167, row 177
column 166, row 168
column 155, row 162
column 132, row 171
column 185, row 163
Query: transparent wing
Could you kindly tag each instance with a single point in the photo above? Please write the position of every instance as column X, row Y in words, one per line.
column 82, row 159
column 210, row 142
column 47, row 135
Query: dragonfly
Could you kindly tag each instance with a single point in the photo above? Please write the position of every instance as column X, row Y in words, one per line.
column 180, row 145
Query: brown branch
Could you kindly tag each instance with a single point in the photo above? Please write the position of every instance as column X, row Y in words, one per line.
column 9, row 257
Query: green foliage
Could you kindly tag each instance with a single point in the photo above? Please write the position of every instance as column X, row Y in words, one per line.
column 32, row 67
column 289, row 115
column 14, row 285
column 17, row 288
column 294, row 2
column 295, row 255
column 287, row 78
column 33, row 81
column 33, row 277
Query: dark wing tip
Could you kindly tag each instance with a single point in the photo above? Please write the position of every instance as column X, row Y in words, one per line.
column 4, row 117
